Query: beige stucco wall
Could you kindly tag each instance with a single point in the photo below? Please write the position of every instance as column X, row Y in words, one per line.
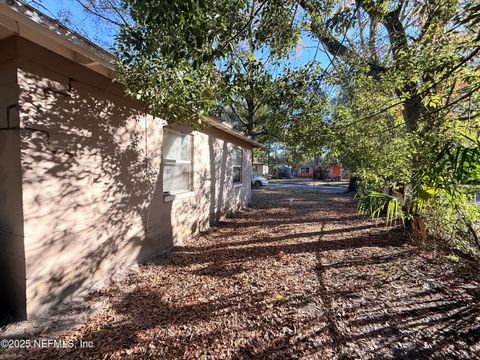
column 92, row 194
column 12, row 263
column 214, row 194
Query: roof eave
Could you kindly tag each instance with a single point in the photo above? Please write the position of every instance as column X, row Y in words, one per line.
column 29, row 23
column 226, row 129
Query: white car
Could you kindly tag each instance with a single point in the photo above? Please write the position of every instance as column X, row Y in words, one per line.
column 259, row 180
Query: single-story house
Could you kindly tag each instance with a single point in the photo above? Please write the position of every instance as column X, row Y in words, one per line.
column 332, row 171
column 259, row 168
column 335, row 172
column 303, row 170
column 309, row 169
column 90, row 182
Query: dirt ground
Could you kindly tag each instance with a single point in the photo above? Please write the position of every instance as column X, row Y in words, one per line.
column 298, row 276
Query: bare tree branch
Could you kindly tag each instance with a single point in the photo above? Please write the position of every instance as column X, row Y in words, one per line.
column 98, row 14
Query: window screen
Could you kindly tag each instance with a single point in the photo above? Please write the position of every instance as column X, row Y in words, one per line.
column 177, row 162
column 237, row 166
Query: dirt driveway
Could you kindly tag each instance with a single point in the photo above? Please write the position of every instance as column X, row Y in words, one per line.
column 290, row 279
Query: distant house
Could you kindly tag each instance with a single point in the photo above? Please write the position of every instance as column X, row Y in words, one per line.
column 90, row 183
column 335, row 172
column 303, row 170
column 259, row 168
column 316, row 170
column 309, row 169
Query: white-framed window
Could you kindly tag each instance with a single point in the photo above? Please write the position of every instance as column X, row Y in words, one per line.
column 177, row 162
column 307, row 170
column 237, row 166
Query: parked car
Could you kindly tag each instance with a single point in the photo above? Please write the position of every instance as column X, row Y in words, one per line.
column 259, row 180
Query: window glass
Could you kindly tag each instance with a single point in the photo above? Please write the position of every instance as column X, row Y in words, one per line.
column 237, row 174
column 177, row 162
column 237, row 157
column 237, row 166
column 177, row 146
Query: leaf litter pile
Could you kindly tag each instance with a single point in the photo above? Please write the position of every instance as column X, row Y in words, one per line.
column 299, row 275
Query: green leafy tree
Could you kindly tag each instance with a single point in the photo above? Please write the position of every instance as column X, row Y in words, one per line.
column 401, row 86
column 406, row 103
column 178, row 58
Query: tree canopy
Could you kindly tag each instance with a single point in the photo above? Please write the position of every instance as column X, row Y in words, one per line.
column 398, row 100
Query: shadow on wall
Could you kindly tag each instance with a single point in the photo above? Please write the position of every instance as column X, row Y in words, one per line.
column 12, row 259
column 91, row 187
column 340, row 308
column 224, row 197
column 217, row 201
column 91, row 180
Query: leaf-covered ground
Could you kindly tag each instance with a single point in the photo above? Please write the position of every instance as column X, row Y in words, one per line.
column 298, row 275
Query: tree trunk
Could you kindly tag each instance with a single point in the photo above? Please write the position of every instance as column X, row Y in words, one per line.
column 353, row 184
column 419, row 231
column 250, row 117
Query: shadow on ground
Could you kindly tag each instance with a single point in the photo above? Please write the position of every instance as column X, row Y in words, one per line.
column 298, row 275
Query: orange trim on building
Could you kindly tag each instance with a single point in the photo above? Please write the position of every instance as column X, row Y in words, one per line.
column 332, row 171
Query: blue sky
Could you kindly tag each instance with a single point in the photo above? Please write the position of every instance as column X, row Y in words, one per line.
column 71, row 14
